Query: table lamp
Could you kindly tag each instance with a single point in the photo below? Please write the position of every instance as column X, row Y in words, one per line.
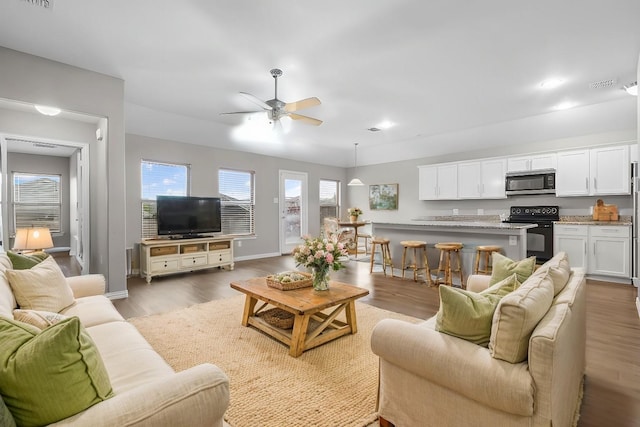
column 32, row 239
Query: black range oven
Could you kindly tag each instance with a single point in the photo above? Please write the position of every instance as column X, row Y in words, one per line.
column 540, row 238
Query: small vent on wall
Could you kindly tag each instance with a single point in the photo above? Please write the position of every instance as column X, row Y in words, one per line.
column 45, row 4
column 602, row 84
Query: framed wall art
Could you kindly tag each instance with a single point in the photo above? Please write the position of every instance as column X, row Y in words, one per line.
column 383, row 197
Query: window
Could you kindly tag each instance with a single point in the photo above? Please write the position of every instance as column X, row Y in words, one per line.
column 160, row 179
column 37, row 201
column 329, row 200
column 237, row 200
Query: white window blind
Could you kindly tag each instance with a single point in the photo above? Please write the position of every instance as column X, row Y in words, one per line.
column 329, row 199
column 159, row 179
column 237, row 201
column 37, row 201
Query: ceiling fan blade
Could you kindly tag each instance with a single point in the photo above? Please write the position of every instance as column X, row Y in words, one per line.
column 303, row 103
column 256, row 101
column 309, row 120
column 244, row 112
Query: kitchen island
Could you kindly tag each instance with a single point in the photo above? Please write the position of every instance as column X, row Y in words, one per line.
column 512, row 238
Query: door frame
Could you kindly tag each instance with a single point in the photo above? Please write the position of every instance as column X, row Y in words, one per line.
column 304, row 207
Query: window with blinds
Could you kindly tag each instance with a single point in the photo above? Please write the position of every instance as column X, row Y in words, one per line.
column 329, row 199
column 37, row 201
column 237, row 201
column 159, row 179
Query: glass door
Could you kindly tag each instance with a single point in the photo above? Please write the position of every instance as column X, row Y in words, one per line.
column 293, row 209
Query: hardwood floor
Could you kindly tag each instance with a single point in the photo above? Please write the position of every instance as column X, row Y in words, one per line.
column 612, row 385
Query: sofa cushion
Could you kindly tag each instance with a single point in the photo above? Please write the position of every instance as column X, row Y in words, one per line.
column 517, row 315
column 93, row 310
column 558, row 269
column 37, row 318
column 504, row 267
column 48, row 376
column 6, row 419
column 7, row 300
column 468, row 315
column 26, row 261
column 43, row 287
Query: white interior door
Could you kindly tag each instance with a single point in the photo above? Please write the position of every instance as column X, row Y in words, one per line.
column 293, row 208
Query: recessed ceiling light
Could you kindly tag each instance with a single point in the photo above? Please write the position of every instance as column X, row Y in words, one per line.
column 385, row 124
column 632, row 89
column 564, row 105
column 551, row 83
column 48, row 111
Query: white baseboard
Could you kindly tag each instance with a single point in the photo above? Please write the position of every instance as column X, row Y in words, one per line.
column 638, row 305
column 258, row 256
column 117, row 295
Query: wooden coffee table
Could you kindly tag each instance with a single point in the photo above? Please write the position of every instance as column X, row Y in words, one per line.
column 311, row 326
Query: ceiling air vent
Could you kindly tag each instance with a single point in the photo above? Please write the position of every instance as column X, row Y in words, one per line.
column 45, row 4
column 602, row 84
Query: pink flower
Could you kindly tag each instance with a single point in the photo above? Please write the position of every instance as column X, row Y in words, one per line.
column 329, row 258
column 330, row 247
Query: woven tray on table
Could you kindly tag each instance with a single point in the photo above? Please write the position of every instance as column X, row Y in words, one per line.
column 289, row 280
column 278, row 317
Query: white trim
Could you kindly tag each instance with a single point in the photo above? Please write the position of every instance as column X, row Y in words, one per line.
column 117, row 295
column 638, row 305
column 258, row 256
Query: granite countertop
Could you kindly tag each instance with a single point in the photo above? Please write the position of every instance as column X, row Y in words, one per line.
column 624, row 220
column 495, row 225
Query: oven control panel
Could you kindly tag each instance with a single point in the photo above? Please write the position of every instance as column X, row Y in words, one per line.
column 534, row 211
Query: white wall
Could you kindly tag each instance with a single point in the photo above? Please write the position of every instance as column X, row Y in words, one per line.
column 35, row 80
column 205, row 162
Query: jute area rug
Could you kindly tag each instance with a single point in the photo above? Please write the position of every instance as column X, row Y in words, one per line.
column 332, row 385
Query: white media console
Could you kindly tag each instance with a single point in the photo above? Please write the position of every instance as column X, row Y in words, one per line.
column 168, row 256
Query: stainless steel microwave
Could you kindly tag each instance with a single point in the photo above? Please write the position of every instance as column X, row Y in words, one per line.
column 542, row 181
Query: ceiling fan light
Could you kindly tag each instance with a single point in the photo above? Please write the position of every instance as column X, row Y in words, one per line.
column 47, row 111
column 632, row 89
column 355, row 182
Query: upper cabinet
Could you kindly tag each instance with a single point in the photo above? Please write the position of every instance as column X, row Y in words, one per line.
column 438, row 182
column 532, row 162
column 482, row 180
column 593, row 172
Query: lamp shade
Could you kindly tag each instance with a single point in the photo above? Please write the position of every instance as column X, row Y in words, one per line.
column 32, row 239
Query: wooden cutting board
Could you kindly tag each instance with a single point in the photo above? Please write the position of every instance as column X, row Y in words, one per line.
column 602, row 212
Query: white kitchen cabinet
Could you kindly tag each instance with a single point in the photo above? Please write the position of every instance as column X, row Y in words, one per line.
column 601, row 250
column 482, row 180
column 574, row 240
column 438, row 182
column 609, row 251
column 532, row 162
column 593, row 172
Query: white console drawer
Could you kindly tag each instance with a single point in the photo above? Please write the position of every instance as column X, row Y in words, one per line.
column 219, row 257
column 164, row 265
column 193, row 261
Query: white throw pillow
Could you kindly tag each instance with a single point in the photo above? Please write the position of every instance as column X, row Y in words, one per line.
column 37, row 318
column 42, row 287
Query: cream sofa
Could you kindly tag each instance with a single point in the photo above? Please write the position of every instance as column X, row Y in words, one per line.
column 147, row 391
column 428, row 378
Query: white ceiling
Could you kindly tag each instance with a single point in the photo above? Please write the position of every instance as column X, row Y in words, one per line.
column 453, row 75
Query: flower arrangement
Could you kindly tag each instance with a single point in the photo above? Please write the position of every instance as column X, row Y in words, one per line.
column 321, row 255
column 354, row 212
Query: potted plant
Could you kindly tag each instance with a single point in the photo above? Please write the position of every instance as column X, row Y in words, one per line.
column 354, row 213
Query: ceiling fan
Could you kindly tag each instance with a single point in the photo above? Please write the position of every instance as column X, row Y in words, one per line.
column 277, row 109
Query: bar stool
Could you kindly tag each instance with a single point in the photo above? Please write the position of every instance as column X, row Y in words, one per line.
column 446, row 248
column 416, row 245
column 385, row 254
column 483, row 253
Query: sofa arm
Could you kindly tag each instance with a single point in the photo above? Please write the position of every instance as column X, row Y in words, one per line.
column 477, row 282
column 458, row 365
column 198, row 396
column 87, row 285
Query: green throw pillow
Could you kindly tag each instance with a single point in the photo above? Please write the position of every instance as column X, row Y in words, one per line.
column 48, row 376
column 504, row 267
column 26, row 261
column 468, row 315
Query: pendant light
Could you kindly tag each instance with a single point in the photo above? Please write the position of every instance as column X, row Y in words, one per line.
column 355, row 181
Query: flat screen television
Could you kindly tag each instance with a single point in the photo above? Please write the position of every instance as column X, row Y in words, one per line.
column 181, row 216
